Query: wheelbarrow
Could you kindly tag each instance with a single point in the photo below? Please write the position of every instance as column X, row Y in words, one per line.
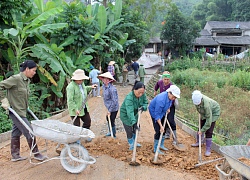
column 74, row 157
column 233, row 154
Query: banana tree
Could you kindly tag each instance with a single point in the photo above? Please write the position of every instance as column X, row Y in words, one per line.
column 107, row 20
column 20, row 38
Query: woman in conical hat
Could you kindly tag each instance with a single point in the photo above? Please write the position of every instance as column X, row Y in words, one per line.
column 76, row 94
column 110, row 98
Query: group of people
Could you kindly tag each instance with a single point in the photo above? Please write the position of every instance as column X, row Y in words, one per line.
column 162, row 105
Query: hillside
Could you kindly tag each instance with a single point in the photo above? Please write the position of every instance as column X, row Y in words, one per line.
column 186, row 6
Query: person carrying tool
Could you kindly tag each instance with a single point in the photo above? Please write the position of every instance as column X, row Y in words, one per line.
column 158, row 108
column 209, row 111
column 17, row 87
column 110, row 98
column 163, row 85
column 129, row 110
column 76, row 94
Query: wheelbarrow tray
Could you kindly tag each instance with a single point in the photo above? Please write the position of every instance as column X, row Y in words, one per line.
column 60, row 132
column 233, row 153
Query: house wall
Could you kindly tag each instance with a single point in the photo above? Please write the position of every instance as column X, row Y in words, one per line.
column 246, row 33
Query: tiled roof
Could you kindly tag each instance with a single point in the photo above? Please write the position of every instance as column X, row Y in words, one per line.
column 228, row 24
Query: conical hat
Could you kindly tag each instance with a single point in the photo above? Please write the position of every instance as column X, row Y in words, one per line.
column 111, row 62
column 106, row 75
column 79, row 75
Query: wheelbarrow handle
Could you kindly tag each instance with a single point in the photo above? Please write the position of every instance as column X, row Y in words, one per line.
column 32, row 114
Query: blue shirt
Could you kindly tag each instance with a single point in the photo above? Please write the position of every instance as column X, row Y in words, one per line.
column 110, row 97
column 93, row 75
column 159, row 106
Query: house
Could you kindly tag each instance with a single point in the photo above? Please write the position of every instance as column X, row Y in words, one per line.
column 226, row 37
column 155, row 45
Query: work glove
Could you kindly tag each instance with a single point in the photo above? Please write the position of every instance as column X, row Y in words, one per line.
column 141, row 108
column 5, row 103
column 135, row 127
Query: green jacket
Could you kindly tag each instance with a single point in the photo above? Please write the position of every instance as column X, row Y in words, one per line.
column 129, row 108
column 17, row 92
column 74, row 98
column 141, row 72
column 117, row 69
column 209, row 110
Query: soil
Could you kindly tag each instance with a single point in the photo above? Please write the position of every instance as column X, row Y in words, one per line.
column 112, row 155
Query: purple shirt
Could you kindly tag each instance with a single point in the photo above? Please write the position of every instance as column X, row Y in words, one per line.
column 160, row 85
column 110, row 98
column 111, row 69
column 163, row 88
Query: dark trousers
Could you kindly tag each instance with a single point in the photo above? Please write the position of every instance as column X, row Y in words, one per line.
column 130, row 130
column 170, row 117
column 85, row 119
column 157, row 128
column 112, row 118
column 210, row 131
column 18, row 128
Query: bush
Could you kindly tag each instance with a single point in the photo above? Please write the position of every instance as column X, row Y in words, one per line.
column 5, row 122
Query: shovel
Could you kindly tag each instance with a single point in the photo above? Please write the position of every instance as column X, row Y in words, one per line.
column 200, row 156
column 155, row 160
column 177, row 146
column 73, row 120
column 133, row 161
column 110, row 127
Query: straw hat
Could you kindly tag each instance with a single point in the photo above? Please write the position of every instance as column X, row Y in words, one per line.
column 111, row 62
column 106, row 75
column 79, row 75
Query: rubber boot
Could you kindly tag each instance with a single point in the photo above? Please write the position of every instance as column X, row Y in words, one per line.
column 155, row 146
column 208, row 146
column 167, row 134
column 108, row 134
column 138, row 144
column 162, row 147
column 131, row 143
column 114, row 131
column 15, row 149
column 174, row 139
column 197, row 140
column 37, row 155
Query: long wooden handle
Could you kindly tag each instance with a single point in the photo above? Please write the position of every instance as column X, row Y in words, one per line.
column 200, row 157
column 136, row 136
column 110, row 127
column 159, row 142
column 83, row 104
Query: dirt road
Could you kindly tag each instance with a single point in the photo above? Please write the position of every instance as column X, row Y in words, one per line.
column 113, row 156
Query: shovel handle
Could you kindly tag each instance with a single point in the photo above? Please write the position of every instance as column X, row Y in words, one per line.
column 159, row 142
column 110, row 127
column 200, row 159
column 83, row 104
column 136, row 136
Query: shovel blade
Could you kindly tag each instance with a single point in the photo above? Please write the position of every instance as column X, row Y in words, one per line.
column 134, row 163
column 180, row 147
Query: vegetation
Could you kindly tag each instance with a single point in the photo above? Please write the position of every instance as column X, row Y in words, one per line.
column 221, row 10
column 229, row 88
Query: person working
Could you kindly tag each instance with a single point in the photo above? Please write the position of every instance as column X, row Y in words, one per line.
column 110, row 98
column 129, row 111
column 209, row 111
column 17, row 87
column 158, row 108
column 76, row 95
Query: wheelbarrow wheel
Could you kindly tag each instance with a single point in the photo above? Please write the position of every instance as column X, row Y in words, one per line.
column 77, row 151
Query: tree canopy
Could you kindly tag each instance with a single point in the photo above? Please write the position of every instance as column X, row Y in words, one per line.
column 178, row 30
